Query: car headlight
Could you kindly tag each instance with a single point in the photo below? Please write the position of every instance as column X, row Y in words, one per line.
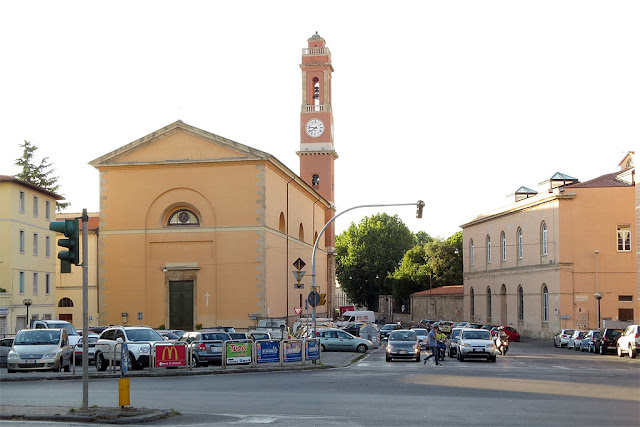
column 49, row 356
column 143, row 349
column 464, row 345
column 389, row 349
column 416, row 348
column 491, row 345
column 13, row 355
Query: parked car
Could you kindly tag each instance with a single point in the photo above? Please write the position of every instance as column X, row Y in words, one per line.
column 73, row 335
column 168, row 335
column 488, row 327
column 512, row 334
column 139, row 340
column 445, row 326
column 575, row 339
column 258, row 335
column 476, row 343
column 97, row 329
column 239, row 335
column 337, row 339
column 607, row 339
column 206, row 346
column 387, row 329
column 423, row 337
column 588, row 341
column 562, row 338
column 91, row 349
column 226, row 329
column 40, row 349
column 629, row 341
column 5, row 346
column 403, row 344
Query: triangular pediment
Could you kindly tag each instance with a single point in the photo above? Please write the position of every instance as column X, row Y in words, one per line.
column 179, row 143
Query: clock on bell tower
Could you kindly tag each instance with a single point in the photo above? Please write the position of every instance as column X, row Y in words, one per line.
column 317, row 152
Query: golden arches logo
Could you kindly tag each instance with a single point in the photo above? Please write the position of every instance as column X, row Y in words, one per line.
column 172, row 351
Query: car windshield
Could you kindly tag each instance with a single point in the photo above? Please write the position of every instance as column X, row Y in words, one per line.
column 260, row 336
column 39, row 337
column 481, row 334
column 237, row 336
column 455, row 333
column 143, row 335
column 403, row 336
column 421, row 331
column 64, row 325
column 215, row 337
column 568, row 332
column 388, row 327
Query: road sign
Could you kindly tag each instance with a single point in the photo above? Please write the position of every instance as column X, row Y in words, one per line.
column 314, row 299
column 297, row 310
column 299, row 275
column 299, row 264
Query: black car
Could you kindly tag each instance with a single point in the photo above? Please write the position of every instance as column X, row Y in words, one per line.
column 387, row 329
column 607, row 340
column 353, row 328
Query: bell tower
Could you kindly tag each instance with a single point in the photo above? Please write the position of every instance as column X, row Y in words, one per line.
column 317, row 152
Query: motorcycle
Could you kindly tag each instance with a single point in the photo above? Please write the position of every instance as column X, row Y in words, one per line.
column 442, row 349
column 502, row 344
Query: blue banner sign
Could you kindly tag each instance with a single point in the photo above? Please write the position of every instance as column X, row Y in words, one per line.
column 292, row 351
column 268, row 351
column 312, row 350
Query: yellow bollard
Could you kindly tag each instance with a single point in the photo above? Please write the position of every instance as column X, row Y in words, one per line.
column 123, row 385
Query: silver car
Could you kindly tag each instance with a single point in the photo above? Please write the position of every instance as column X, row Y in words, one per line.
column 337, row 339
column 40, row 349
column 476, row 343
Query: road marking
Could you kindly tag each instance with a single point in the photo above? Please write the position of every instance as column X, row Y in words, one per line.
column 362, row 364
column 561, row 367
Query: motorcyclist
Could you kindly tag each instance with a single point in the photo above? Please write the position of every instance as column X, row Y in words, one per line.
column 501, row 340
column 441, row 338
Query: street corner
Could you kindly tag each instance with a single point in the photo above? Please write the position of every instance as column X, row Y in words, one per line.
column 105, row 415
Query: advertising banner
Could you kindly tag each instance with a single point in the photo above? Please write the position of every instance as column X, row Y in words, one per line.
column 312, row 350
column 170, row 355
column 268, row 351
column 292, row 351
column 238, row 352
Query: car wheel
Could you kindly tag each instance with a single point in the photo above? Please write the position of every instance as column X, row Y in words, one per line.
column 554, row 344
column 322, row 347
column 619, row 351
column 10, row 371
column 194, row 361
column 388, row 358
column 450, row 354
column 632, row 354
column 601, row 350
column 492, row 359
column 461, row 357
column 67, row 367
column 101, row 364
column 362, row 348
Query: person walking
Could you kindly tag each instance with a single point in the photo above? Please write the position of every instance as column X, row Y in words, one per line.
column 433, row 345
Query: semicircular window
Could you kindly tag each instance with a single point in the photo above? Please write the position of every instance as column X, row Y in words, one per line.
column 183, row 217
column 65, row 302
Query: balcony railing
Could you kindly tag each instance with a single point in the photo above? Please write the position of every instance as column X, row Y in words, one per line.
column 316, row 51
column 317, row 108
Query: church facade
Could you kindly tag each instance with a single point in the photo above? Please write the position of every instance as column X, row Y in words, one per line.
column 197, row 230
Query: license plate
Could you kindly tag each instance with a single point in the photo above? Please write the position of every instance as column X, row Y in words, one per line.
column 216, row 349
column 476, row 349
column 402, row 352
column 31, row 361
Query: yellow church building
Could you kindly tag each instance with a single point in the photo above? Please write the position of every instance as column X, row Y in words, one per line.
column 197, row 230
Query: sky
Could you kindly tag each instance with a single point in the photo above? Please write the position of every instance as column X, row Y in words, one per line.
column 457, row 103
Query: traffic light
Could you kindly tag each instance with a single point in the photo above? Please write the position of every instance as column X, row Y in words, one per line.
column 420, row 205
column 323, row 299
column 70, row 228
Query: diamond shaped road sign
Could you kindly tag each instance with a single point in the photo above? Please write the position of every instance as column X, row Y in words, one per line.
column 299, row 264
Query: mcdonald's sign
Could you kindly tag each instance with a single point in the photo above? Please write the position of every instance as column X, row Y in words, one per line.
column 170, row 355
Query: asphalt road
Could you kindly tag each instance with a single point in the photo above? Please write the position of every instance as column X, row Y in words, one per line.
column 534, row 384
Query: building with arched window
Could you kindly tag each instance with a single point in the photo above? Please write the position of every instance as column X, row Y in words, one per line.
column 559, row 246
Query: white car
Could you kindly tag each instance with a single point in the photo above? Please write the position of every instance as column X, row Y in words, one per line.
column 629, row 341
column 139, row 340
column 476, row 343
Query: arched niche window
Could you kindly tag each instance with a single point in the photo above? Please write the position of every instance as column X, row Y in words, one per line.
column 183, row 217
column 544, row 239
column 316, row 91
column 472, row 253
column 520, row 303
column 282, row 226
column 488, row 301
column 301, row 233
column 472, row 296
column 545, row 303
column 315, row 180
column 488, row 249
column 520, row 243
column 65, row 302
column 503, row 246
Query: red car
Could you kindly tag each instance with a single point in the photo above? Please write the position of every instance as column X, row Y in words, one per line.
column 512, row 334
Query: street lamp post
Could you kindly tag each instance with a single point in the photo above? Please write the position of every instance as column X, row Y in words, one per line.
column 598, row 296
column 420, row 204
column 27, row 302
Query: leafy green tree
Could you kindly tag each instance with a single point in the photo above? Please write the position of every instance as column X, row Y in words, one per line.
column 422, row 238
column 40, row 175
column 366, row 253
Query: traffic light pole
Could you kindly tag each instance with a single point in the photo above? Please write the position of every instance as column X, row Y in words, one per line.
column 85, row 310
column 419, row 205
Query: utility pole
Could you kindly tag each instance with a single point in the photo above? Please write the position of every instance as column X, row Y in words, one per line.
column 85, row 310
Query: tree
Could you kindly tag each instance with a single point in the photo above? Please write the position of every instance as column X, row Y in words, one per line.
column 40, row 175
column 367, row 253
column 429, row 266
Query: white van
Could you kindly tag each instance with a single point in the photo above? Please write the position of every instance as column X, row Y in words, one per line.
column 356, row 316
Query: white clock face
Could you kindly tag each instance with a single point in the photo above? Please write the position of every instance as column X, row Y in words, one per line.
column 314, row 128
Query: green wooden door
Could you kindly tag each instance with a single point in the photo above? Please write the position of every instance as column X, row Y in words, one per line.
column 181, row 305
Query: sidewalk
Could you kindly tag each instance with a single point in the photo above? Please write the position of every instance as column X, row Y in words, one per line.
column 129, row 415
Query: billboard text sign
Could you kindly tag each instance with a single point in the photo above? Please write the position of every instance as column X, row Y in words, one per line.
column 312, row 350
column 292, row 351
column 268, row 351
column 170, row 355
column 238, row 352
